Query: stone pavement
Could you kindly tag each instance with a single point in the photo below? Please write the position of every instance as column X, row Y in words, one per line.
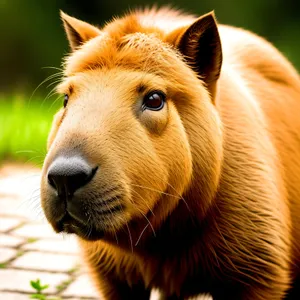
column 30, row 250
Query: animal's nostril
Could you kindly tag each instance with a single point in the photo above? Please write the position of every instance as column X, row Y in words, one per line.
column 68, row 174
column 51, row 181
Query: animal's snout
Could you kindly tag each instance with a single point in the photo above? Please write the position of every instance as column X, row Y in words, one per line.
column 67, row 174
column 75, row 203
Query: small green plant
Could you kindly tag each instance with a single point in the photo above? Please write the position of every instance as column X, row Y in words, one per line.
column 39, row 288
column 74, row 270
column 63, row 285
column 31, row 240
column 20, row 253
column 2, row 266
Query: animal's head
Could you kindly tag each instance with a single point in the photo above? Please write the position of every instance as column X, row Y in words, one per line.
column 138, row 130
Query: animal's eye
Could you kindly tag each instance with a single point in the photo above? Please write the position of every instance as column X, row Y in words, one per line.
column 66, row 99
column 154, row 101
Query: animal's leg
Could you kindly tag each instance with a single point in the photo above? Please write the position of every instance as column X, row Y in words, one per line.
column 114, row 289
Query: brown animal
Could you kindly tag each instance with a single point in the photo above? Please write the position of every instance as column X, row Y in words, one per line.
column 176, row 159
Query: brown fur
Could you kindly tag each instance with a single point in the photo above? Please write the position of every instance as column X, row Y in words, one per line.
column 210, row 183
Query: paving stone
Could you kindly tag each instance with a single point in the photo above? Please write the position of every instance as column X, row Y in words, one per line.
column 20, row 184
column 13, row 296
column 46, row 261
column 7, row 254
column 19, row 280
column 67, row 245
column 9, row 206
column 84, row 269
column 19, row 194
column 8, row 223
column 37, row 230
column 16, row 168
column 18, row 207
column 81, row 287
column 10, row 241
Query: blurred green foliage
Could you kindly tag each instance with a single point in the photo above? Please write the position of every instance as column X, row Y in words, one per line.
column 24, row 128
column 32, row 39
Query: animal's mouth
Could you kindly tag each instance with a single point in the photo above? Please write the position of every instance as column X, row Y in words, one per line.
column 71, row 225
column 78, row 202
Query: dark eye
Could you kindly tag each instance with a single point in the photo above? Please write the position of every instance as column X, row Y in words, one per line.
column 154, row 101
column 66, row 99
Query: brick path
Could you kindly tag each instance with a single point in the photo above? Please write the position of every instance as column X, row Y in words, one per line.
column 30, row 250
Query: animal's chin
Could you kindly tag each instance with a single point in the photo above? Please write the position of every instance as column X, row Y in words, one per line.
column 70, row 225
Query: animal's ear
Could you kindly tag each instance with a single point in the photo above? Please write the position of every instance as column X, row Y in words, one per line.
column 78, row 32
column 200, row 44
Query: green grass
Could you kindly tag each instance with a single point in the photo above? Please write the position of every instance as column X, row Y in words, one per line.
column 63, row 285
column 32, row 240
column 20, row 253
column 24, row 127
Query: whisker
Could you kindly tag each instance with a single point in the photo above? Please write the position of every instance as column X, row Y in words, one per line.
column 59, row 96
column 181, row 197
column 41, row 159
column 27, row 151
column 141, row 235
column 49, row 95
column 27, row 177
column 130, row 237
column 54, row 82
column 148, row 222
column 144, row 202
column 31, row 202
column 44, row 81
column 154, row 190
column 54, row 68
column 164, row 193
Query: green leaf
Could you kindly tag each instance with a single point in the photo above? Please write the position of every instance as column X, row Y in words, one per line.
column 43, row 287
column 38, row 296
column 34, row 284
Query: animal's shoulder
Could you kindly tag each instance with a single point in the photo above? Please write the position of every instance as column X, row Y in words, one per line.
column 244, row 50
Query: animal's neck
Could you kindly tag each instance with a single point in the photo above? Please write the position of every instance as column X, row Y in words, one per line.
column 178, row 232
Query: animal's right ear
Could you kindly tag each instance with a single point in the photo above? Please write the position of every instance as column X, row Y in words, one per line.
column 78, row 32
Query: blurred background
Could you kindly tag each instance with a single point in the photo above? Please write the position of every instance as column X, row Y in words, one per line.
column 33, row 43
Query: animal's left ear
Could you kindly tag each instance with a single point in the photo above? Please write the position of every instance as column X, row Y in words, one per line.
column 200, row 44
column 78, row 32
